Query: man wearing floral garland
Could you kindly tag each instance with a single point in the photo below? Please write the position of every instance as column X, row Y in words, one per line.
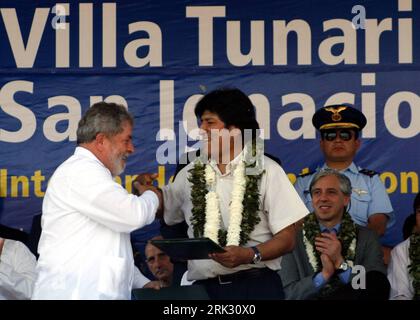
column 223, row 196
column 340, row 127
column 331, row 251
column 404, row 266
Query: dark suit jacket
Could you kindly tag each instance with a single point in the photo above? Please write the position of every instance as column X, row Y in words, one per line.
column 297, row 273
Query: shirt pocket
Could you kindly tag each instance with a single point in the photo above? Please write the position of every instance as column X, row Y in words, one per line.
column 359, row 206
column 114, row 277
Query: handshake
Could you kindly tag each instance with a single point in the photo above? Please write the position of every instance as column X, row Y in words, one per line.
column 144, row 182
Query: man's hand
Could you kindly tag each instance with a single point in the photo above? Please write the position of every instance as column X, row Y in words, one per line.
column 146, row 179
column 234, row 256
column 329, row 244
column 153, row 285
column 144, row 182
column 328, row 268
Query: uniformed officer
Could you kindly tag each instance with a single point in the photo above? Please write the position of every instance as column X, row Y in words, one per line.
column 340, row 126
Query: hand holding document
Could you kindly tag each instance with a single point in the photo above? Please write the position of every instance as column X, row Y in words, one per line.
column 188, row 249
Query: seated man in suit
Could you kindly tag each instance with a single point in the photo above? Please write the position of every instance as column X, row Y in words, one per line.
column 330, row 249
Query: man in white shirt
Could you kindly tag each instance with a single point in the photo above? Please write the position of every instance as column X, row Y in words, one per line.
column 405, row 284
column 85, row 250
column 251, row 214
column 17, row 270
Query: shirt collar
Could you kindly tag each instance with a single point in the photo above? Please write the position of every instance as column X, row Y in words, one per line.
column 230, row 166
column 352, row 168
column 83, row 152
column 336, row 228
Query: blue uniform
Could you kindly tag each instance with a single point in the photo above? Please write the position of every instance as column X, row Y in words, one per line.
column 368, row 194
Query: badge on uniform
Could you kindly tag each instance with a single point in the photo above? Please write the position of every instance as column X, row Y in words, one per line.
column 360, row 191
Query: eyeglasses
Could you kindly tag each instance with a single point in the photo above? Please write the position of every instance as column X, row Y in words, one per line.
column 331, row 135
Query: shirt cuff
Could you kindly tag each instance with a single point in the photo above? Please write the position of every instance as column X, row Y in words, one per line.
column 319, row 281
column 152, row 196
column 345, row 276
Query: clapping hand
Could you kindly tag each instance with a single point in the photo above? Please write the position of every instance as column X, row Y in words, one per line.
column 328, row 243
column 144, row 182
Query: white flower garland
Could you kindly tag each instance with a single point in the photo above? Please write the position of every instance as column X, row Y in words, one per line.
column 213, row 217
column 310, row 251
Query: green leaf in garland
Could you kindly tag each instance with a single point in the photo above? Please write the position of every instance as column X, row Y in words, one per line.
column 414, row 267
column 251, row 202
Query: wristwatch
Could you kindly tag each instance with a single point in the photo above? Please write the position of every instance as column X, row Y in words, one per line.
column 343, row 267
column 257, row 255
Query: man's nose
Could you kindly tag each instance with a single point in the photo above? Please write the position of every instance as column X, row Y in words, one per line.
column 130, row 148
column 159, row 264
column 204, row 126
column 338, row 137
column 323, row 196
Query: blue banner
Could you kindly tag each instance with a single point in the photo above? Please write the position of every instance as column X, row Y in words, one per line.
column 158, row 58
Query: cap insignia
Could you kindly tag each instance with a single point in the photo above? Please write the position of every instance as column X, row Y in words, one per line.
column 336, row 116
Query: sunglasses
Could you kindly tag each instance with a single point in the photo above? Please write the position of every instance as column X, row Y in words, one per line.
column 331, row 135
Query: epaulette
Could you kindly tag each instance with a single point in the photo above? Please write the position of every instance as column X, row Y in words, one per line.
column 301, row 175
column 368, row 172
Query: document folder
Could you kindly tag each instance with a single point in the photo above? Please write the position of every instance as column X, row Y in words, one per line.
column 188, row 249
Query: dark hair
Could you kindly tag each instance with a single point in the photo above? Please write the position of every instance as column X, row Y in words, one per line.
column 408, row 226
column 345, row 184
column 416, row 203
column 102, row 117
column 232, row 106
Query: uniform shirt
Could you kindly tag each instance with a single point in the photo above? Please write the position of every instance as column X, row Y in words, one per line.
column 368, row 195
column 17, row 271
column 85, row 250
column 400, row 280
column 280, row 206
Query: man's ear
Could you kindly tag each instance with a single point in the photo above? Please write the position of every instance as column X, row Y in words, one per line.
column 100, row 140
column 358, row 143
column 321, row 144
column 346, row 200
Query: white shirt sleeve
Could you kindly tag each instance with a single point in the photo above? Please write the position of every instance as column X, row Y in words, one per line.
column 86, row 187
column 185, row 281
column 17, row 271
column 173, row 197
column 401, row 286
column 281, row 200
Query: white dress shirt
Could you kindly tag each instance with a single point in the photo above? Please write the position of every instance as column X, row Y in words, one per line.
column 280, row 206
column 17, row 271
column 85, row 250
column 400, row 280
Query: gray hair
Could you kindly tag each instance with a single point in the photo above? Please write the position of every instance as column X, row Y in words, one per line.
column 102, row 117
column 345, row 184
